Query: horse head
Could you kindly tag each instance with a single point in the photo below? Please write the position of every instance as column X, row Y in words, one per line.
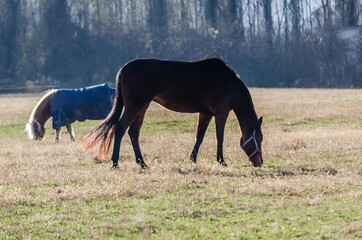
column 252, row 145
column 39, row 116
column 36, row 130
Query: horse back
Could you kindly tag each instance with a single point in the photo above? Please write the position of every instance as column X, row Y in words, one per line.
column 70, row 105
column 180, row 86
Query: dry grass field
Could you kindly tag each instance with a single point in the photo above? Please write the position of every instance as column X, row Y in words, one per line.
column 309, row 186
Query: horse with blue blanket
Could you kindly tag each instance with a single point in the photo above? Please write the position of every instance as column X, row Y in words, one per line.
column 66, row 106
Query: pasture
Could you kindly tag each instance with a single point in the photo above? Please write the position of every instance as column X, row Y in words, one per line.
column 309, row 186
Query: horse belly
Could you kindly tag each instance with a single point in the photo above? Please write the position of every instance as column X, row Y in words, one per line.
column 185, row 106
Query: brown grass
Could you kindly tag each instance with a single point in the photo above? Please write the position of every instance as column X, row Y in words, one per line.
column 312, row 154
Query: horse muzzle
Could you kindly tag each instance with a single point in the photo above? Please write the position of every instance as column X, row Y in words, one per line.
column 256, row 160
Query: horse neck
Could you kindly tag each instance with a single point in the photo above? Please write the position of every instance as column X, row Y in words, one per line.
column 246, row 114
column 42, row 112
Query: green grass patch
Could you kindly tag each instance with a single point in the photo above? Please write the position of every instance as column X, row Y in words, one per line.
column 186, row 215
column 16, row 131
column 291, row 123
column 151, row 126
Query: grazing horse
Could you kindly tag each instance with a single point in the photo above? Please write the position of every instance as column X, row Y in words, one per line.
column 66, row 106
column 208, row 87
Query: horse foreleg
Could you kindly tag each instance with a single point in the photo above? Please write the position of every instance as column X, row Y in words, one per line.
column 134, row 132
column 203, row 123
column 121, row 127
column 220, row 120
column 71, row 132
column 57, row 134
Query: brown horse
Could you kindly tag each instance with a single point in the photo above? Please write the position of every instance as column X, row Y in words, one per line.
column 208, row 87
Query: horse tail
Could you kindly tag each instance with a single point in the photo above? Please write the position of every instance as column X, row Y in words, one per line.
column 105, row 132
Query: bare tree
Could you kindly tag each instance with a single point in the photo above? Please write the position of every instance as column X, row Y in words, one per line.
column 347, row 12
column 157, row 23
column 211, row 13
column 267, row 9
column 9, row 35
column 327, row 13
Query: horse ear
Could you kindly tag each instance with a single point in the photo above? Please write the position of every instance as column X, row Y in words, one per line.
column 260, row 120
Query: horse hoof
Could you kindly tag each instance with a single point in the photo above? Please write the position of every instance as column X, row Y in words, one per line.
column 223, row 164
column 193, row 156
column 114, row 167
column 144, row 166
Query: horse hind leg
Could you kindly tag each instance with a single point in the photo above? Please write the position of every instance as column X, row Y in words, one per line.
column 121, row 127
column 203, row 123
column 71, row 132
column 57, row 134
column 134, row 132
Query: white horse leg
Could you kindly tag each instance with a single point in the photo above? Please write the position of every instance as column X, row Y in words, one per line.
column 71, row 132
column 57, row 134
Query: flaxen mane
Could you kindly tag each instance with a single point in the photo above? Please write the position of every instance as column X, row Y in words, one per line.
column 30, row 124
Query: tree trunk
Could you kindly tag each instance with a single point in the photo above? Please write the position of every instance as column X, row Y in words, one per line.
column 352, row 17
column 268, row 20
column 13, row 7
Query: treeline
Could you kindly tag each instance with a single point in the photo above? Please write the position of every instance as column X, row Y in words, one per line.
column 270, row 43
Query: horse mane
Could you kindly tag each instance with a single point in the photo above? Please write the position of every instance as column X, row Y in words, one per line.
column 29, row 125
column 233, row 71
column 244, row 91
column 222, row 62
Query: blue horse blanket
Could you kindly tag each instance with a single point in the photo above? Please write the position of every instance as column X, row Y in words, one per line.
column 70, row 105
